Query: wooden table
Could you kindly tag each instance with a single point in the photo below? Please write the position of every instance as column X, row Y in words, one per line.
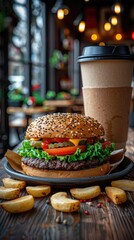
column 30, row 111
column 110, row 222
column 69, row 105
column 60, row 105
column 20, row 123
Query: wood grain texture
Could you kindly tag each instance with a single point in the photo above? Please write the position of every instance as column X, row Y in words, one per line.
column 109, row 222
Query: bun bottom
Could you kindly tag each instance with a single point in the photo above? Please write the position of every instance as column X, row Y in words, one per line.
column 91, row 172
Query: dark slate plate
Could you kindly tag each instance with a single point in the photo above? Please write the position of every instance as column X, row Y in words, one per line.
column 122, row 170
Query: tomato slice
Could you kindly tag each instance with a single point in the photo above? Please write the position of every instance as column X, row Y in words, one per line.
column 44, row 144
column 60, row 139
column 91, row 140
column 104, row 144
column 64, row 150
column 53, row 140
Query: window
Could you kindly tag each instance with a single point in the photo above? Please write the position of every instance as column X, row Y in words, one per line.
column 27, row 51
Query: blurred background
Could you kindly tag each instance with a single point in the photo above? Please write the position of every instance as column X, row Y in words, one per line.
column 40, row 41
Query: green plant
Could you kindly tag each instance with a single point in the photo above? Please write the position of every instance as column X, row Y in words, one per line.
column 16, row 95
column 58, row 59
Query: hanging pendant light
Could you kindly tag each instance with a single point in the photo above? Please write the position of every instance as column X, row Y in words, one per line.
column 81, row 26
column 94, row 37
column 60, row 14
column 107, row 26
column 117, row 8
column 114, row 20
column 118, row 36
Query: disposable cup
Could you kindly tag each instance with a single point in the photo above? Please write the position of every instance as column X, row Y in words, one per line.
column 106, row 78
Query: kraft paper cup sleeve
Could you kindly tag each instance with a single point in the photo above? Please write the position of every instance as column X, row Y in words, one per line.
column 110, row 106
column 14, row 160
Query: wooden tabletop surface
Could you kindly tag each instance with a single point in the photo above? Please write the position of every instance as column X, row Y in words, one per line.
column 29, row 110
column 59, row 103
column 108, row 222
column 64, row 102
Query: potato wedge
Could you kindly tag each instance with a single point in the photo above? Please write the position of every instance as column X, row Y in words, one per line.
column 13, row 183
column 9, row 193
column 61, row 202
column 86, row 193
column 19, row 205
column 124, row 184
column 117, row 195
column 38, row 191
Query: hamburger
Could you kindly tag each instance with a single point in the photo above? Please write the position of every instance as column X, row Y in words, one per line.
column 65, row 145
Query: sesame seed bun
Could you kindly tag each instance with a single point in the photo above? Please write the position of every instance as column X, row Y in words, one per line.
column 64, row 125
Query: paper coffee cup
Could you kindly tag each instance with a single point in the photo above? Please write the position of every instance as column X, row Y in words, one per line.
column 106, row 76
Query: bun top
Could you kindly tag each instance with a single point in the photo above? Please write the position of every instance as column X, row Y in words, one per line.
column 64, row 125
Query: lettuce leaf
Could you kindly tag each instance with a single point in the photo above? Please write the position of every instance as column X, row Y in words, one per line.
column 26, row 150
column 92, row 151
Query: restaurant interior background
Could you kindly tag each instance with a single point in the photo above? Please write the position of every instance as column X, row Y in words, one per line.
column 40, row 41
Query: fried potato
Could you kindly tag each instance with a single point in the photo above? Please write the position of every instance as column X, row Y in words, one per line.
column 38, row 191
column 13, row 183
column 117, row 195
column 85, row 193
column 61, row 202
column 124, row 184
column 9, row 193
column 19, row 205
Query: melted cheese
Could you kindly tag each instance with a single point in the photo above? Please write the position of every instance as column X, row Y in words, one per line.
column 76, row 141
column 34, row 139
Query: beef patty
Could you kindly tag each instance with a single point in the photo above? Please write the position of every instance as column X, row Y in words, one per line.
column 60, row 165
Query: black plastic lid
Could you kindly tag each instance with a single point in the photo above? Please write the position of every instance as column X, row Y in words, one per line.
column 91, row 53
